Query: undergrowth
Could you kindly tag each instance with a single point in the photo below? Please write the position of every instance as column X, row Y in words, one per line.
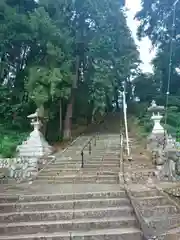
column 9, row 140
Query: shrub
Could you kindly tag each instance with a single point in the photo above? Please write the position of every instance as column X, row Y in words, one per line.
column 9, row 142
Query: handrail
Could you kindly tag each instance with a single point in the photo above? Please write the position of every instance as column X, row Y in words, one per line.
column 89, row 144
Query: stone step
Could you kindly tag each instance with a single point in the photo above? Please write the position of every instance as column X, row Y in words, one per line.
column 139, row 179
column 64, row 161
column 138, row 169
column 139, row 165
column 87, row 159
column 78, row 181
column 98, row 152
column 56, row 215
column 105, row 156
column 135, row 169
column 66, row 204
column 104, row 165
column 111, row 158
column 88, row 171
column 55, row 196
column 164, row 223
column 78, row 163
column 55, row 171
column 101, row 169
column 79, row 177
column 87, row 165
column 153, row 201
column 148, row 193
column 154, row 212
column 144, row 172
column 99, row 234
column 67, row 225
column 104, row 161
column 112, row 152
column 63, row 165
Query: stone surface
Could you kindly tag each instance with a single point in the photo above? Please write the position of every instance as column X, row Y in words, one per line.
column 170, row 164
column 89, row 209
column 155, row 211
column 92, row 205
column 113, row 234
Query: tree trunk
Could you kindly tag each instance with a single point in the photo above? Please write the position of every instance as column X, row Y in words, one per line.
column 2, row 68
column 90, row 113
column 45, row 121
column 116, row 99
column 60, row 118
column 68, row 120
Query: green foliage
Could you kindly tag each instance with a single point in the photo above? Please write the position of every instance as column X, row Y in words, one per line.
column 156, row 22
column 143, row 117
column 9, row 140
column 44, row 44
column 145, row 86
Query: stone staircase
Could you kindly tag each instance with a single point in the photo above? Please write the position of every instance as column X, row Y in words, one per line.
column 102, row 166
column 101, row 215
column 156, row 210
column 68, row 202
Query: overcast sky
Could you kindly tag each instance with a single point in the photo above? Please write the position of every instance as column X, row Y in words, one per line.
column 145, row 44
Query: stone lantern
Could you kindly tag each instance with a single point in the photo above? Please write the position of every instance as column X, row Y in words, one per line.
column 36, row 144
column 34, row 149
column 157, row 137
column 156, row 117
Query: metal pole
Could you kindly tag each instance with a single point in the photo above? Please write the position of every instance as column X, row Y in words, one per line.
column 175, row 2
column 90, row 148
column 82, row 159
column 125, row 122
column 121, row 144
column 95, row 140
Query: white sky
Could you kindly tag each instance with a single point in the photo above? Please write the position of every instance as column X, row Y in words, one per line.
column 145, row 44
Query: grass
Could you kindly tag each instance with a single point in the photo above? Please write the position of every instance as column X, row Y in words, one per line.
column 140, row 129
column 9, row 140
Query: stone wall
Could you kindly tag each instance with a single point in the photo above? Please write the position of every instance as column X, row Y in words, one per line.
column 22, row 168
column 166, row 159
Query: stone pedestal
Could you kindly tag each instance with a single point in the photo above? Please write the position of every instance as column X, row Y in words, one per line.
column 168, row 161
column 157, row 129
column 35, row 145
column 156, row 141
column 171, row 168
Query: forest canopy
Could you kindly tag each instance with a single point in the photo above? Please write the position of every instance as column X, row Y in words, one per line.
column 68, row 57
